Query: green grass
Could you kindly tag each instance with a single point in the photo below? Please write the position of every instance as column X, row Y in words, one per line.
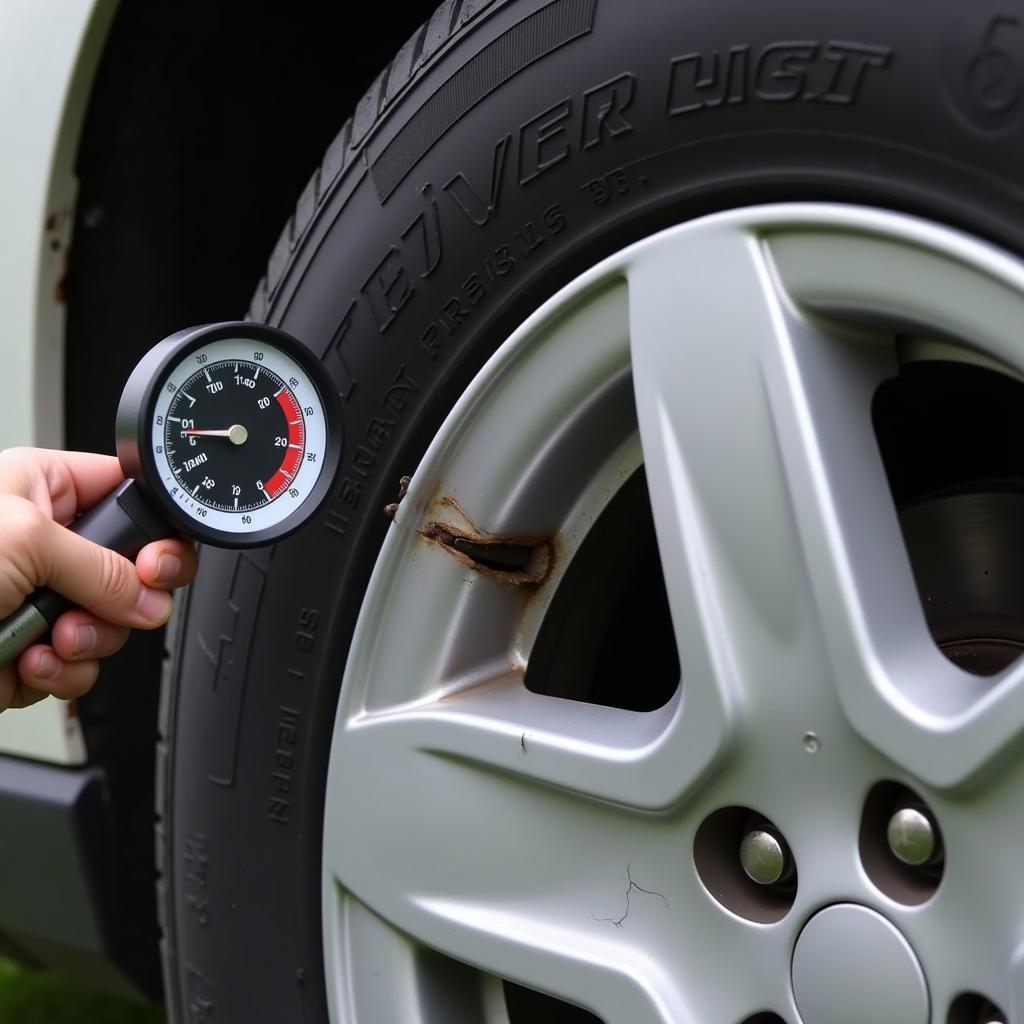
column 38, row 997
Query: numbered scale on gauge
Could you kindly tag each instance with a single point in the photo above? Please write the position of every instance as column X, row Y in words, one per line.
column 236, row 434
column 243, row 431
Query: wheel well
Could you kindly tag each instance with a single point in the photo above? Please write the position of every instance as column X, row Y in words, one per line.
column 204, row 122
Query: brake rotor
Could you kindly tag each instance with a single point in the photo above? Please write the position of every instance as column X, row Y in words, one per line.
column 967, row 552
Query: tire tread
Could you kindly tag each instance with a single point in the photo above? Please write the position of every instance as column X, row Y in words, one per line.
column 418, row 54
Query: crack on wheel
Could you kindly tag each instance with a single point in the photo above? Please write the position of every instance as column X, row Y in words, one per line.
column 629, row 889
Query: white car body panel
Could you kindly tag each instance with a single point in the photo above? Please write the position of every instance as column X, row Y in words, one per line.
column 48, row 57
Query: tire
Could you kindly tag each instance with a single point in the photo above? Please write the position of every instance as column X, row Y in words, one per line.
column 508, row 147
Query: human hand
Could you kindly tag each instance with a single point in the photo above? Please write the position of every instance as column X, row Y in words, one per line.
column 41, row 491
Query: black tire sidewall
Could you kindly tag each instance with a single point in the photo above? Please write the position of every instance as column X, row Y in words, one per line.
column 915, row 107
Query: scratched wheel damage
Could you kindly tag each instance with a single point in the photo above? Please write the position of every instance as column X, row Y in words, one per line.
column 619, row 659
column 517, row 561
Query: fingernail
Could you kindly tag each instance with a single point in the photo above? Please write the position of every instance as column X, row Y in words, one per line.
column 167, row 568
column 153, row 605
column 85, row 639
column 47, row 665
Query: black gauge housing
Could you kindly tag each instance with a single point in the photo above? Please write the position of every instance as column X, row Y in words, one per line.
column 136, row 411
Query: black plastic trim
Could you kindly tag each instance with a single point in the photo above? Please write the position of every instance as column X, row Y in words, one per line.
column 57, row 885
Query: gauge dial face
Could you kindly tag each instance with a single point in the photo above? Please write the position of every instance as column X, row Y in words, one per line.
column 238, row 435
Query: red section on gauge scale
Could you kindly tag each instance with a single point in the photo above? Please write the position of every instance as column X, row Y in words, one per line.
column 296, row 443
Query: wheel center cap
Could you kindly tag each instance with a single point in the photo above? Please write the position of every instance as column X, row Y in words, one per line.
column 851, row 965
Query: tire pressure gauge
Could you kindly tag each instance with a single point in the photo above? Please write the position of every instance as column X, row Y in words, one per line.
column 229, row 434
column 233, row 431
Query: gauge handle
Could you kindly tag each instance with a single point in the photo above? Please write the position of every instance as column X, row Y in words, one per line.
column 123, row 521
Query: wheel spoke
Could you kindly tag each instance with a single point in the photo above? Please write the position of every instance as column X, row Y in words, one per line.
column 552, row 890
column 773, row 512
column 416, row 979
column 460, row 683
column 733, row 454
column 895, row 686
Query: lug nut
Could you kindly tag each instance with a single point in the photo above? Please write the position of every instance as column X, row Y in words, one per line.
column 763, row 857
column 912, row 836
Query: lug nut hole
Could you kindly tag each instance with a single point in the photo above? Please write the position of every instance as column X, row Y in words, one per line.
column 901, row 844
column 972, row 1008
column 744, row 862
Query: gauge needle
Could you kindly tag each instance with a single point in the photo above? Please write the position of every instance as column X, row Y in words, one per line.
column 236, row 434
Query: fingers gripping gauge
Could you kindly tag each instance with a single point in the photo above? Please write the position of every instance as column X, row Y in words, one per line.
column 229, row 434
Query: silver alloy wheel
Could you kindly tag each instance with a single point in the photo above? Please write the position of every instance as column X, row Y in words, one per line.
column 551, row 842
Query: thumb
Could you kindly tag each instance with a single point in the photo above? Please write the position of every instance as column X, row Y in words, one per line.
column 93, row 577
